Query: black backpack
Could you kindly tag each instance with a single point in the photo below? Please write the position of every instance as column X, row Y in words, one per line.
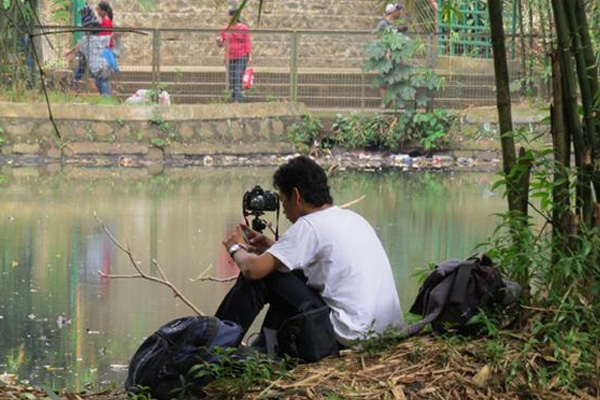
column 457, row 290
column 171, row 351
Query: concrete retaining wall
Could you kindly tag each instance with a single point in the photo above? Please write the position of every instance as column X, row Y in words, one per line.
column 106, row 134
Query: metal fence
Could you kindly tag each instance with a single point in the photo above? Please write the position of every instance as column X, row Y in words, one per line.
column 323, row 69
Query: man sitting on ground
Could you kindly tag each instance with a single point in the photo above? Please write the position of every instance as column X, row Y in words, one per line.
column 329, row 256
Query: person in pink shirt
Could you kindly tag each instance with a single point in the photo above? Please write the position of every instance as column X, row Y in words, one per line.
column 235, row 38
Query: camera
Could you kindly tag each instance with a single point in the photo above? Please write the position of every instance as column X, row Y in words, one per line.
column 258, row 200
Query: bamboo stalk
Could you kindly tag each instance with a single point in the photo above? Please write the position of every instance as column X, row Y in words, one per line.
column 560, row 192
column 544, row 38
column 592, row 72
column 503, row 88
column 522, row 45
column 570, row 99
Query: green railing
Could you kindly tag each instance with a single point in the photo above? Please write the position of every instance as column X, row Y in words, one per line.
column 467, row 33
column 77, row 5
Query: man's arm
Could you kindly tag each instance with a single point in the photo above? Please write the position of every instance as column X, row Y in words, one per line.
column 73, row 49
column 253, row 266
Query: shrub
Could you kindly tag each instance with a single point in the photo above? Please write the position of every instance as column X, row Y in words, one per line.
column 393, row 132
column 408, row 86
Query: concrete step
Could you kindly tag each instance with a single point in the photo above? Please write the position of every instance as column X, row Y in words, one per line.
column 340, row 77
column 216, row 88
column 350, row 103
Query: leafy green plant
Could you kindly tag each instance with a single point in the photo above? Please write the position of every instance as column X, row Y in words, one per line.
column 2, row 139
column 304, row 134
column 153, row 94
column 60, row 11
column 235, row 374
column 376, row 342
column 393, row 132
column 157, row 119
column 407, row 85
column 562, row 321
column 159, row 142
column 431, row 128
column 143, row 393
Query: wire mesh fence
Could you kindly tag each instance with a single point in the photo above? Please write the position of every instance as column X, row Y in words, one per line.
column 323, row 69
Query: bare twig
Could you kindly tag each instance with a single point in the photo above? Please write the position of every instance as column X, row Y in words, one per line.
column 160, row 270
column 353, row 202
column 141, row 274
column 42, row 74
column 219, row 280
column 203, row 277
column 332, row 167
column 87, row 29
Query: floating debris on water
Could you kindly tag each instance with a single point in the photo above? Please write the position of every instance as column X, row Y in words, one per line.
column 61, row 321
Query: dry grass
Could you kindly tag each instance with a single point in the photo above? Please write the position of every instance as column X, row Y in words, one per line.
column 422, row 368
column 417, row 369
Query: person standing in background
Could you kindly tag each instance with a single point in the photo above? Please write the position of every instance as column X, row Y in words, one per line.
column 105, row 12
column 88, row 18
column 393, row 12
column 92, row 46
column 386, row 25
column 238, row 49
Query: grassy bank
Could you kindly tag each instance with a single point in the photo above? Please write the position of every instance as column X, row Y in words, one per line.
column 424, row 367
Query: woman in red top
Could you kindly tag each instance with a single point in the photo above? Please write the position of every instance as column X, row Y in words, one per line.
column 105, row 12
column 238, row 48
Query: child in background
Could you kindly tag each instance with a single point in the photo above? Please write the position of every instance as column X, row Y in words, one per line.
column 92, row 45
column 88, row 18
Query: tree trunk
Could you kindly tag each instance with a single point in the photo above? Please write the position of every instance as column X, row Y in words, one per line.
column 517, row 179
column 592, row 72
column 571, row 102
column 560, row 189
column 509, row 157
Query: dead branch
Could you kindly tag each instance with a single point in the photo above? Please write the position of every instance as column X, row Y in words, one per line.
column 203, row 277
column 163, row 280
column 333, row 167
column 42, row 74
column 353, row 202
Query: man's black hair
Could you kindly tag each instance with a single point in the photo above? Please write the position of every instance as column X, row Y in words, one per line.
column 306, row 175
column 94, row 28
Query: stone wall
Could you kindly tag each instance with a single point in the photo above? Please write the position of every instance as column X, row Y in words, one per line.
column 198, row 49
column 136, row 135
column 276, row 14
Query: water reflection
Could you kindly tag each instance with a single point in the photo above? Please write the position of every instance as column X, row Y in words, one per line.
column 62, row 324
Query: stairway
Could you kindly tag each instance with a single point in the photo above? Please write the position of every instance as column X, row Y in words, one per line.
column 341, row 89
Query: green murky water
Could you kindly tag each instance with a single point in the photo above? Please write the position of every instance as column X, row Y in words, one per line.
column 64, row 325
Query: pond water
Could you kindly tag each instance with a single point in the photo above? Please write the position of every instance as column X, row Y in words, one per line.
column 63, row 325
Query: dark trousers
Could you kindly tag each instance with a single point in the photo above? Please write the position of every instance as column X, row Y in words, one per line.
column 237, row 67
column 286, row 293
column 80, row 71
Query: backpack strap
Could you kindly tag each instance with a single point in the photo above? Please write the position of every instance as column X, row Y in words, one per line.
column 212, row 328
column 459, row 291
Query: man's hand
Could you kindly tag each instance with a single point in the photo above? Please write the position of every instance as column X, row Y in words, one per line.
column 236, row 237
column 253, row 266
column 257, row 242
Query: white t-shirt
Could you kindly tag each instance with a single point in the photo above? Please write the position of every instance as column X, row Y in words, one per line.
column 342, row 257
